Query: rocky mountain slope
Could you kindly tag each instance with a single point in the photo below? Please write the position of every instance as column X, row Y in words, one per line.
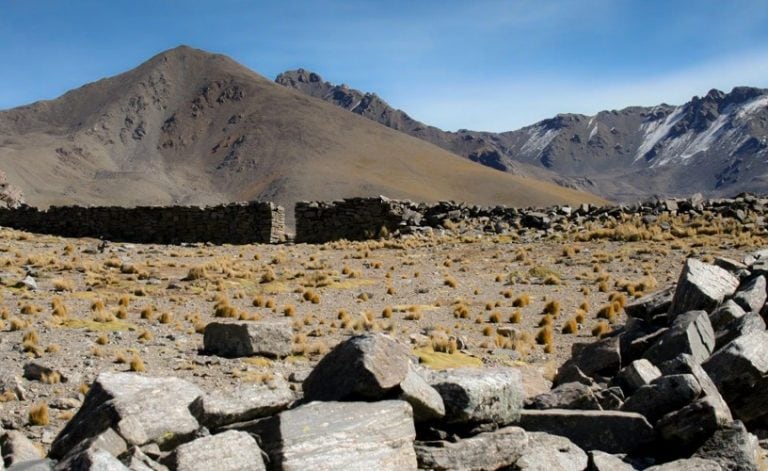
column 192, row 127
column 716, row 145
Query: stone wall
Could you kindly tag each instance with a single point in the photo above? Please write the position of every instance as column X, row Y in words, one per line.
column 235, row 223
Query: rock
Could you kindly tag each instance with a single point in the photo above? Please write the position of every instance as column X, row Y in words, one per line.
column 233, row 340
column 228, row 451
column 650, row 305
column 725, row 314
column 609, row 431
column 602, row 461
column 666, row 394
column 551, row 453
column 690, row 333
column 733, row 448
column 426, row 402
column 248, row 402
column 565, row 396
column 108, row 441
column 339, row 435
column 739, row 370
column 140, row 409
column 36, row 372
column 702, row 287
column 689, row 464
column 484, row 451
column 92, row 459
column 362, row 367
column 685, row 364
column 17, row 448
column 746, row 324
column 480, row 394
column 751, row 296
column 33, row 465
column 28, row 282
column 599, row 358
column 637, row 374
column 690, row 425
column 610, row 398
column 138, row 461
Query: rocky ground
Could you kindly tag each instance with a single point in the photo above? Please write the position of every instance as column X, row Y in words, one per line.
column 74, row 308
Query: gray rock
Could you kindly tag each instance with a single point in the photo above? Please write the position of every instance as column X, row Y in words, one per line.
column 746, row 324
column 690, row 333
column 484, row 451
column 666, row 394
column 92, row 459
column 565, row 396
column 141, row 409
column 702, row 286
column 33, row 465
column 610, row 398
column 480, row 394
column 739, row 370
column 17, row 448
column 637, row 374
column 733, row 448
column 28, row 282
column 760, row 267
column 36, row 372
column 362, row 367
column 733, row 266
column 725, row 314
column 108, row 441
column 609, row 431
column 248, row 402
column 650, row 305
column 426, row 402
column 688, row 464
column 551, row 453
column 227, row 451
column 138, row 461
column 685, row 364
column 232, row 340
column 751, row 296
column 599, row 358
column 602, row 461
column 339, row 435
column 691, row 424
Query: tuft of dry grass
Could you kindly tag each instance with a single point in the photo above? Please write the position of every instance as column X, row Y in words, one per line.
column 571, row 326
column 137, row 364
column 495, row 317
column 522, row 301
column 63, row 284
column 552, row 308
column 38, row 414
column 450, row 282
column 602, row 328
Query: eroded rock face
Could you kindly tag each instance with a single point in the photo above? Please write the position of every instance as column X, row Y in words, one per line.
column 702, row 287
column 140, row 409
column 233, row 340
column 227, row 451
column 364, row 367
column 340, row 435
column 480, row 394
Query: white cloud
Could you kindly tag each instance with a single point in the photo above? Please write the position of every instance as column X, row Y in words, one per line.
column 504, row 104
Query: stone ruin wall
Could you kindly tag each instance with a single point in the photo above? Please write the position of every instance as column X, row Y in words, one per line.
column 235, row 223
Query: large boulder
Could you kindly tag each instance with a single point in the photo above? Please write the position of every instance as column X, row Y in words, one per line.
column 702, row 286
column 685, row 364
column 17, row 448
column 228, row 451
column 566, row 396
column 107, row 441
column 746, row 324
column 93, row 459
column 598, row 358
column 725, row 314
column 687, row 464
column 480, row 394
column 687, row 427
column 364, row 367
column 232, row 340
column 751, row 296
column 650, row 305
column 690, row 333
column 636, row 375
column 602, row 461
column 664, row 395
column 339, row 435
column 740, row 371
column 485, row 451
column 552, row 453
column 733, row 448
column 609, row 431
column 218, row 408
column 426, row 402
column 140, row 409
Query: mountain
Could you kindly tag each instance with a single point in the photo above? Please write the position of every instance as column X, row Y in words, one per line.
column 190, row 127
column 716, row 145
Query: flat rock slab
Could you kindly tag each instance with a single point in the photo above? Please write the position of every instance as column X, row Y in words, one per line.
column 739, row 370
column 218, row 408
column 551, row 453
column 484, row 451
column 233, row 340
column 690, row 333
column 602, row 461
column 598, row 358
column 648, row 306
column 480, row 394
column 609, row 431
column 227, row 451
column 702, row 286
column 340, row 435
column 637, row 374
column 426, row 402
column 362, row 367
column 566, row 396
column 690, row 464
column 140, row 409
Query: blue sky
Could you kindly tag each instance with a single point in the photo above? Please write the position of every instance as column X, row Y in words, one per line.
column 487, row 65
